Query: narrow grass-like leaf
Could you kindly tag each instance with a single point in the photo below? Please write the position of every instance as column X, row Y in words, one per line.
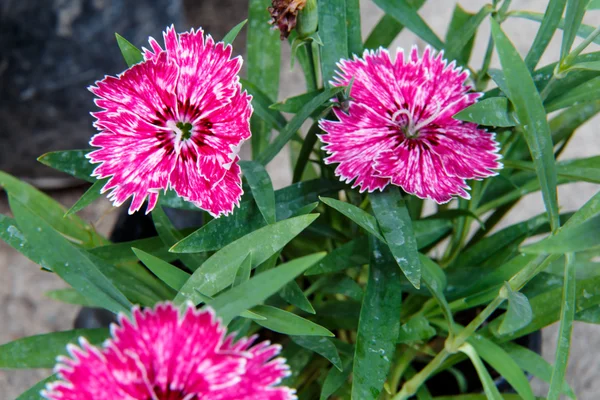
column 586, row 92
column 262, row 188
column 550, row 22
column 594, row 5
column 35, row 392
column 117, row 253
column 40, row 351
column 320, row 345
column 351, row 254
column 222, row 231
column 261, row 103
column 88, row 197
column 354, row 34
column 519, row 312
column 395, row 224
column 496, row 357
column 573, row 17
column 379, row 324
column 307, row 148
column 169, row 274
column 69, row 296
column 532, row 118
column 592, row 66
column 534, row 364
column 493, row 111
column 435, row 280
column 293, row 294
column 489, row 387
column 72, row 162
column 388, row 27
column 287, row 323
column 333, row 32
column 41, row 204
column 335, row 379
column 563, row 344
column 69, row 262
column 292, row 127
column 169, row 235
column 243, row 273
column 408, row 16
column 232, row 34
column 294, row 104
column 253, row 292
column 461, row 33
column 219, row 270
column 572, row 238
column 357, row 215
column 581, row 169
column 131, row 54
column 583, row 31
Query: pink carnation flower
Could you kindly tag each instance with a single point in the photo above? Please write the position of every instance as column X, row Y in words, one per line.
column 399, row 127
column 175, row 120
column 160, row 355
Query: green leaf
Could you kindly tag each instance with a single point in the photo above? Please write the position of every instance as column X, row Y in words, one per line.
column 581, row 169
column 490, row 389
column 519, row 312
column 435, row 280
column 292, row 293
column 243, row 273
column 379, row 324
column 592, row 66
column 219, row 270
column 288, row 131
column 461, row 33
column 586, row 92
column 294, row 104
column 12, row 235
column 320, row 345
column 262, row 60
column 169, row 236
column 232, row 34
column 417, row 329
column 40, row 351
column 594, row 5
column 131, row 54
column 550, row 22
column 352, row 254
column 493, row 111
column 88, row 197
column 169, row 274
column 335, row 379
column 534, row 364
column 333, row 33
column 304, row 155
column 72, row 162
column 583, row 31
column 34, row 392
column 261, row 103
column 72, row 227
column 343, row 285
column 357, row 215
column 573, row 17
column 253, row 292
column 569, row 239
column 69, row 296
column 503, row 364
column 121, row 252
column 72, row 264
column 396, row 226
column 354, row 34
column 408, row 16
column 532, row 118
column 262, row 188
column 386, row 30
column 287, row 323
column 222, row 231
column 567, row 315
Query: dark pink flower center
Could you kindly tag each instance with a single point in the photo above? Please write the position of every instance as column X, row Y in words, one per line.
column 170, row 395
column 409, row 124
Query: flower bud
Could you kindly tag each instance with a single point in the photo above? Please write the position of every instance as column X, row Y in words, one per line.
column 308, row 19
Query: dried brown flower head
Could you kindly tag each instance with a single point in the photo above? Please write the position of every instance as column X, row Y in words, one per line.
column 284, row 13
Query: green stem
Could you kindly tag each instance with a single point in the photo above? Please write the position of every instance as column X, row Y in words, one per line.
column 404, row 356
column 312, row 84
column 482, row 77
column 586, row 42
column 411, row 386
column 547, row 89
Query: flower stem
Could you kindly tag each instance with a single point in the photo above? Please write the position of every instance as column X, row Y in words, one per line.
column 411, row 386
column 311, row 85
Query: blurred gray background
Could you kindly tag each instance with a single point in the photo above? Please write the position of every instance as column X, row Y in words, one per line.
column 44, row 106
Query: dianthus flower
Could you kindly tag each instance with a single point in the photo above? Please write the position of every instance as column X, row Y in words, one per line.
column 400, row 129
column 175, row 120
column 162, row 355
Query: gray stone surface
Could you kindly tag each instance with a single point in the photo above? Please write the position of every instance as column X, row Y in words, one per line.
column 25, row 311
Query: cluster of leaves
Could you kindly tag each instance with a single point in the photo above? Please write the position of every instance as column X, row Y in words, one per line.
column 346, row 281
